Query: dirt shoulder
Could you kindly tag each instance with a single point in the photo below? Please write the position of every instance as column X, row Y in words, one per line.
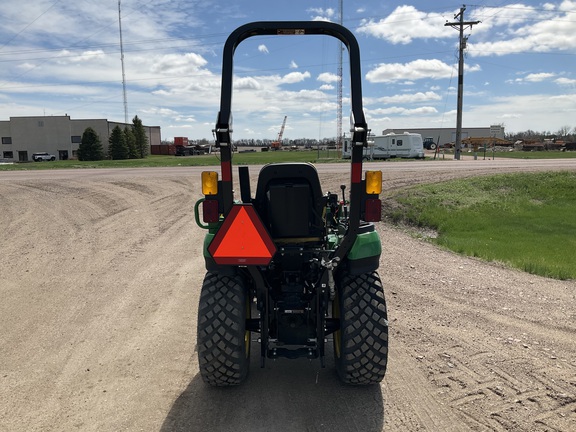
column 100, row 284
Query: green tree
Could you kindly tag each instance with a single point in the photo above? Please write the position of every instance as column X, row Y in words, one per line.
column 117, row 148
column 90, row 148
column 141, row 137
column 131, row 143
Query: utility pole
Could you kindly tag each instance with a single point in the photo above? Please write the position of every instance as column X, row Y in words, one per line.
column 459, row 25
column 123, row 70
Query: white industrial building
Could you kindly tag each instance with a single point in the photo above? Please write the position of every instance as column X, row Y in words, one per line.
column 58, row 135
column 448, row 135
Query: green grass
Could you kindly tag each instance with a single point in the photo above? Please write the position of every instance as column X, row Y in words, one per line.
column 253, row 158
column 518, row 154
column 534, row 155
column 524, row 220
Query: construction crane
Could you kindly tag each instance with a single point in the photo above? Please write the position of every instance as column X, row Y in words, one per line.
column 277, row 145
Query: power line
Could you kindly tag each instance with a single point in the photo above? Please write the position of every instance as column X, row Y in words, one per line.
column 29, row 24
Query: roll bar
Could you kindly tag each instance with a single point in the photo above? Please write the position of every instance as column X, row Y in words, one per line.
column 223, row 130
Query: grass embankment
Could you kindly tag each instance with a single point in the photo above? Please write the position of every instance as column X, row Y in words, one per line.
column 449, row 154
column 523, row 220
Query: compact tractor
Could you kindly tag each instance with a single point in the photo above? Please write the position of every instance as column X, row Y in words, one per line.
column 293, row 265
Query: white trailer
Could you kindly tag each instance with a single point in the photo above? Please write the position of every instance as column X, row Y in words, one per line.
column 392, row 145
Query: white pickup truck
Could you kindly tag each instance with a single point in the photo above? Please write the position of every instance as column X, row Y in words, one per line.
column 39, row 157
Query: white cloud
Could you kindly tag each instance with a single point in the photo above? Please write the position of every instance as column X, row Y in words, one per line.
column 295, row 77
column 328, row 77
column 165, row 112
column 263, row 49
column 178, row 64
column 565, row 81
column 324, row 107
column 533, row 78
column 293, row 65
column 321, row 18
column 329, row 12
column 67, row 56
column 402, row 111
column 538, row 77
column 417, row 69
column 522, row 29
column 326, row 87
column 247, row 83
column 410, row 98
column 405, row 24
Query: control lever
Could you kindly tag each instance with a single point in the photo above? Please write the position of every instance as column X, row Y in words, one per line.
column 344, row 206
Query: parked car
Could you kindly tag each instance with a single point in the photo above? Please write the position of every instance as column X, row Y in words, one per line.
column 43, row 156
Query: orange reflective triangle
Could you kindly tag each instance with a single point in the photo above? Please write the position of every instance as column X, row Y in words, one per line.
column 242, row 239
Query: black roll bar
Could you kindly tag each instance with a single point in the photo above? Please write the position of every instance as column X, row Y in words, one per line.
column 359, row 127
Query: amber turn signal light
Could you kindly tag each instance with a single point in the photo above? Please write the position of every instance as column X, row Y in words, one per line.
column 209, row 183
column 373, row 182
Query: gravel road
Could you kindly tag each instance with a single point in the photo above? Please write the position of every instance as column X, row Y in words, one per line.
column 100, row 279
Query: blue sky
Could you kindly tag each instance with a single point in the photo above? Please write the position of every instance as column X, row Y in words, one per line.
column 63, row 57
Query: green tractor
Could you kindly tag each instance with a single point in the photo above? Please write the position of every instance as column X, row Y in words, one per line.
column 294, row 265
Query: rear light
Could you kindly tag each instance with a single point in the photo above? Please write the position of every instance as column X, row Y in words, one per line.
column 209, row 183
column 210, row 211
column 373, row 182
column 373, row 210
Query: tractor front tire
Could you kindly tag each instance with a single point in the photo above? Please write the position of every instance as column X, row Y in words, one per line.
column 223, row 342
column 361, row 343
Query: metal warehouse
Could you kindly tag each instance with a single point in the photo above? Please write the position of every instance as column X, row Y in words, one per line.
column 448, row 135
column 58, row 135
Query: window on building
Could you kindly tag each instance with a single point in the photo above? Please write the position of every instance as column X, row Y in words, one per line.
column 399, row 142
column 40, row 123
column 6, row 140
column 8, row 155
column 77, row 139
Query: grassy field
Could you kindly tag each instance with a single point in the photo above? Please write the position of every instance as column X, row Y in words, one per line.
column 513, row 154
column 523, row 220
column 251, row 158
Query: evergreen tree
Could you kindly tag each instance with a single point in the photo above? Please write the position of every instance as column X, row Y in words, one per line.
column 90, row 148
column 141, row 137
column 131, row 143
column 117, row 148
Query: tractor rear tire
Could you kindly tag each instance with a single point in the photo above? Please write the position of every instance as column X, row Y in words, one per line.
column 361, row 343
column 223, row 342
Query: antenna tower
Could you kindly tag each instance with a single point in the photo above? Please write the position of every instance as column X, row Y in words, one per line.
column 123, row 70
column 339, row 84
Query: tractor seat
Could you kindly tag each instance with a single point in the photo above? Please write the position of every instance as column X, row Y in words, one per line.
column 290, row 203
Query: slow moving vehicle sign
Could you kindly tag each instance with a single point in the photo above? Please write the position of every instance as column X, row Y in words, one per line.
column 242, row 239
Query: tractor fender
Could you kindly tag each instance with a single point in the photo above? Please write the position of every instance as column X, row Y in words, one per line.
column 364, row 256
